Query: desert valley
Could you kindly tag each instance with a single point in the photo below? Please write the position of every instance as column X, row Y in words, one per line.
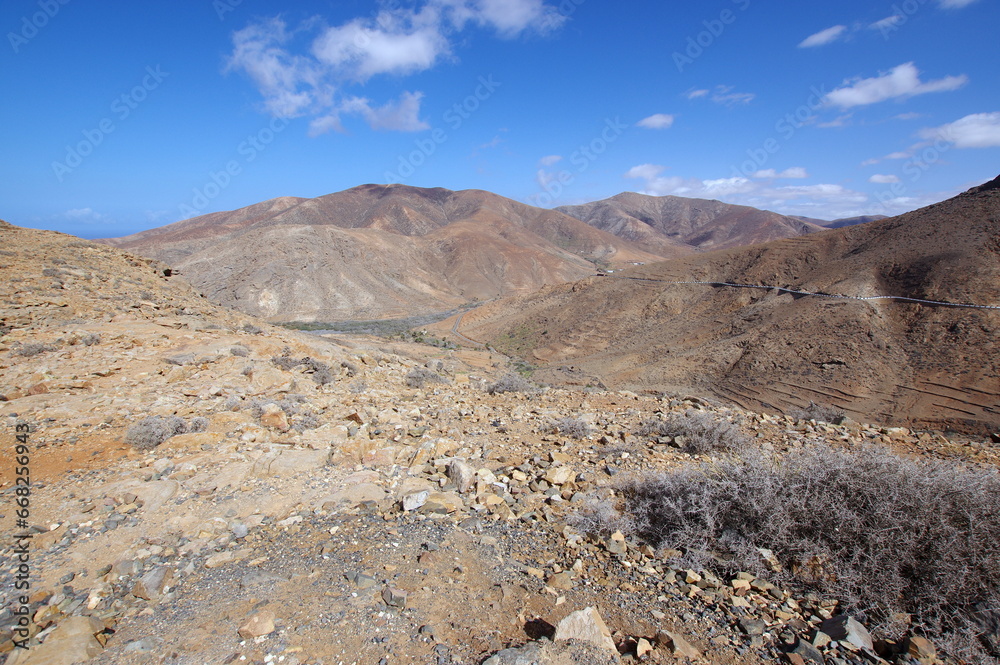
column 625, row 432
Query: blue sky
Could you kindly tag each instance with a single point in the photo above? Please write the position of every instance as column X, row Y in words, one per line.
column 122, row 116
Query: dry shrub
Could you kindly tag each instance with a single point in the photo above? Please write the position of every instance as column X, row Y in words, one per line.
column 420, row 377
column 822, row 413
column 702, row 431
column 317, row 370
column 511, row 383
column 151, row 431
column 882, row 533
column 33, row 349
column 571, row 427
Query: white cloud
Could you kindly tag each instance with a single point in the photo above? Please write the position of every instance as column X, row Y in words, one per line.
column 492, row 143
column 979, row 130
column 839, row 121
column 901, row 82
column 645, row 171
column 549, row 160
column 361, row 52
column 84, row 215
column 508, row 17
column 887, row 23
column 898, row 155
column 822, row 191
column 324, row 124
column 824, row 37
column 725, row 95
column 722, row 94
column 880, row 179
column 822, row 201
column 399, row 116
column 296, row 78
column 657, row 121
column 955, row 4
column 725, row 186
column 793, row 172
column 288, row 83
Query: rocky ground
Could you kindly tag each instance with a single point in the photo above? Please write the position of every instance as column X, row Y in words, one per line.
column 335, row 501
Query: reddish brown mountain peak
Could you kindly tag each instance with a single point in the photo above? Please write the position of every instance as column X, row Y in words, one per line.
column 986, row 187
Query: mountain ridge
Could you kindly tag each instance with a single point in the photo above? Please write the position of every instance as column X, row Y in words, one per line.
column 892, row 361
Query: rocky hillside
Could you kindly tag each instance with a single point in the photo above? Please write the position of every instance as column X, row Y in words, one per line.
column 379, row 252
column 666, row 224
column 881, row 360
column 205, row 487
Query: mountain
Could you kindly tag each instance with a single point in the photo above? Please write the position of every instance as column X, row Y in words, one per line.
column 663, row 224
column 205, row 484
column 893, row 361
column 380, row 251
column 843, row 221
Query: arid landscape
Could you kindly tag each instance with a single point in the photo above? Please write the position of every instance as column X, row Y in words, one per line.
column 500, row 332
column 207, row 487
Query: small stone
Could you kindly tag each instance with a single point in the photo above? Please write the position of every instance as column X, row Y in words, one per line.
column 220, row 559
column 752, row 626
column 258, row 625
column 463, row 475
column 442, row 502
column 560, row 475
column 616, row 546
column 74, row 640
column 807, row 652
column 394, row 597
column 677, row 644
column 586, row 625
column 741, row 585
column 562, row 581
column 360, row 580
column 415, row 500
column 642, row 647
column 922, row 649
column 847, row 629
column 151, row 585
column 275, row 418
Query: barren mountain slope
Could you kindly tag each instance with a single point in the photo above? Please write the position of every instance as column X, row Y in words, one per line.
column 304, row 500
column 664, row 223
column 378, row 251
column 878, row 359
